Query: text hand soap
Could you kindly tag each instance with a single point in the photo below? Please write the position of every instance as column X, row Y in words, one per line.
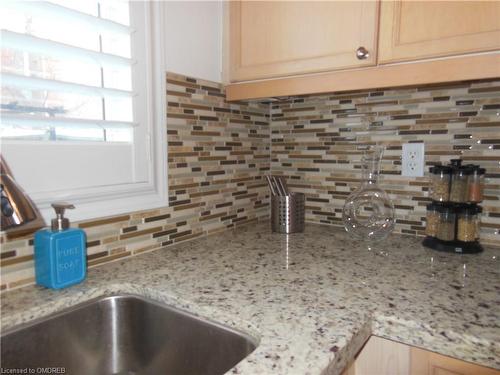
column 60, row 254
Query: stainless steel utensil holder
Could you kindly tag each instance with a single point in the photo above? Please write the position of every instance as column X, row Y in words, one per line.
column 288, row 213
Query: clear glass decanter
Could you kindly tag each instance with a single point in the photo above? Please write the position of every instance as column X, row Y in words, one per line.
column 368, row 212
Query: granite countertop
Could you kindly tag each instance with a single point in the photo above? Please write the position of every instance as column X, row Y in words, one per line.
column 312, row 299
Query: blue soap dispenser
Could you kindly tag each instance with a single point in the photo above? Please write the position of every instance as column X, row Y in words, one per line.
column 60, row 254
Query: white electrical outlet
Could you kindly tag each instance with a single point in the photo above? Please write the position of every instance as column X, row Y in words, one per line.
column 413, row 159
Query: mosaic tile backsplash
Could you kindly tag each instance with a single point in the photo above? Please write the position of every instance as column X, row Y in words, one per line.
column 317, row 144
column 219, row 153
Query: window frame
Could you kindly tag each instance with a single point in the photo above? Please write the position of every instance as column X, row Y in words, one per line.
column 99, row 201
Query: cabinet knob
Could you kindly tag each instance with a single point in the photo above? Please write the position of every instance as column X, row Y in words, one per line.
column 362, row 53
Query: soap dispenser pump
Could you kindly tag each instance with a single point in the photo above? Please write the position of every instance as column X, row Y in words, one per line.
column 60, row 254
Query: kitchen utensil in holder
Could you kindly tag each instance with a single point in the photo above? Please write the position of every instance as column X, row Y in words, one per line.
column 288, row 213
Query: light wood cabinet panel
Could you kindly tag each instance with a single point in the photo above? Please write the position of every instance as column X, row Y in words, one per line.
column 349, row 370
column 279, row 38
column 381, row 356
column 385, row 357
column 424, row 362
column 417, row 73
column 412, row 30
column 286, row 41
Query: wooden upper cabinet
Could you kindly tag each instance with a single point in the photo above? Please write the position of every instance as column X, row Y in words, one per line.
column 412, row 30
column 280, row 38
column 286, row 40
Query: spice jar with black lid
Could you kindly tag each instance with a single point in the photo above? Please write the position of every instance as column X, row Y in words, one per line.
column 468, row 223
column 432, row 220
column 460, row 184
column 446, row 227
column 476, row 183
column 440, row 183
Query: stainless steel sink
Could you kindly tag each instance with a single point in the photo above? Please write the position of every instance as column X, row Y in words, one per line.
column 125, row 334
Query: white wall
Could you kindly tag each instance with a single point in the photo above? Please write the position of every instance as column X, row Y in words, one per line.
column 193, row 34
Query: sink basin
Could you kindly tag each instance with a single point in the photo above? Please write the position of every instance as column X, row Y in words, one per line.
column 125, row 334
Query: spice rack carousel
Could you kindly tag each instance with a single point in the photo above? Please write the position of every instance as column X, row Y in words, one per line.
column 453, row 217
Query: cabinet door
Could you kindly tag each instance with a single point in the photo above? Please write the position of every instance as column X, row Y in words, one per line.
column 279, row 38
column 385, row 357
column 381, row 356
column 424, row 362
column 412, row 30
